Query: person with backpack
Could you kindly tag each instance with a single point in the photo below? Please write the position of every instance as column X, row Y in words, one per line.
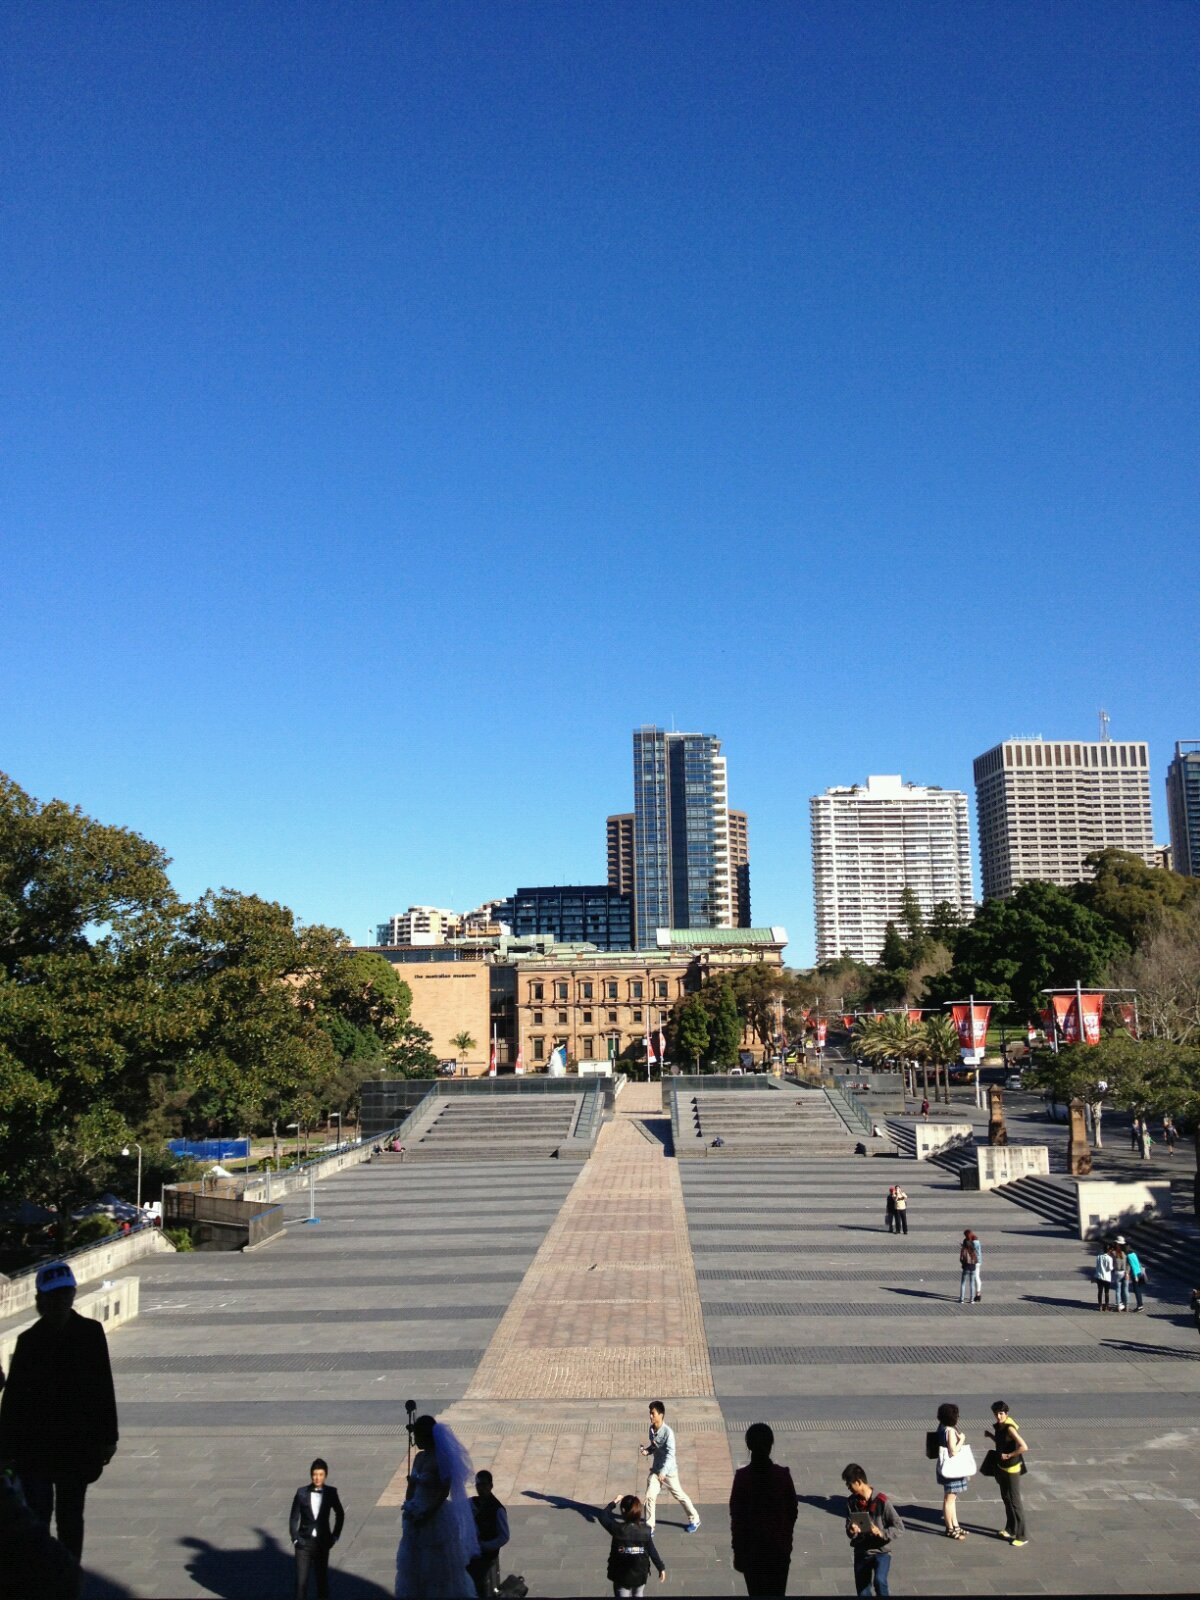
column 1010, row 1464
column 632, row 1548
column 872, row 1525
column 1104, row 1270
column 970, row 1258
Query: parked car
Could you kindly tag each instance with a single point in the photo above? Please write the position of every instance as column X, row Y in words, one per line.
column 1013, row 1081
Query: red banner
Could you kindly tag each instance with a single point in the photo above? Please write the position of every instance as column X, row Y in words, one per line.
column 492, row 1061
column 1066, row 1017
column 915, row 1013
column 972, row 1029
column 847, row 1020
column 822, row 1029
column 1093, row 1011
column 1129, row 1019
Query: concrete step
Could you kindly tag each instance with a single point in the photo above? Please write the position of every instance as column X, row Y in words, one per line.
column 1052, row 1198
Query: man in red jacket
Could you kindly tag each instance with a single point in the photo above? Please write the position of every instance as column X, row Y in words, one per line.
column 58, row 1412
column 762, row 1515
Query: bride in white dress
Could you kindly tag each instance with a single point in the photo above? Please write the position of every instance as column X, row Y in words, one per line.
column 437, row 1528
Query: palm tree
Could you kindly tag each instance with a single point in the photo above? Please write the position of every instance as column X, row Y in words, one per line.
column 942, row 1047
column 463, row 1042
column 892, row 1038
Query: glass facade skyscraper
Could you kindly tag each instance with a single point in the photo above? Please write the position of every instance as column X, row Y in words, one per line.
column 1183, row 807
column 682, row 872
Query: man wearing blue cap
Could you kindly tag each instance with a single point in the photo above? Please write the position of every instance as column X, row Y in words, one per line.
column 58, row 1411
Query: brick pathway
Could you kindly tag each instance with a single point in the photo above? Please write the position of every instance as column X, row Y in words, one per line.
column 607, row 1317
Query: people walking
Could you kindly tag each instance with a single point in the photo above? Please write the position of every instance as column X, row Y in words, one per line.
column 58, row 1411
column 632, row 1549
column 970, row 1259
column 1135, row 1134
column 1104, row 1269
column 872, row 1525
column 1137, row 1276
column 762, row 1516
column 1120, row 1276
column 491, row 1527
column 1194, row 1307
column 925, row 1109
column 1010, row 1465
column 664, row 1469
column 1170, row 1133
column 315, row 1526
column 900, row 1201
column 955, row 1466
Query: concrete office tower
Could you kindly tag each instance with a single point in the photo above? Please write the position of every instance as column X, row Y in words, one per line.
column 1044, row 806
column 739, row 868
column 419, row 925
column 1183, row 807
column 682, row 851
column 872, row 842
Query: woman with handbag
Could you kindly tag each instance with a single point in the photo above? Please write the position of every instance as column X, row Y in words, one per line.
column 955, row 1466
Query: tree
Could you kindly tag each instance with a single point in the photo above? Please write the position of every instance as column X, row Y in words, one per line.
column 87, row 1012
column 1118, row 1070
column 1039, row 938
column 412, row 1057
column 463, row 1042
column 725, row 1030
column 1133, row 899
column 941, row 1049
column 691, row 1031
column 1164, row 972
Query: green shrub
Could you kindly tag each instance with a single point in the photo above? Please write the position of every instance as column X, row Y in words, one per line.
column 181, row 1238
column 90, row 1230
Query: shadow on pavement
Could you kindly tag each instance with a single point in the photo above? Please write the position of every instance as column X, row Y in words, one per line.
column 835, row 1504
column 267, row 1570
column 1136, row 1348
column 920, row 1294
column 97, row 1586
column 560, row 1502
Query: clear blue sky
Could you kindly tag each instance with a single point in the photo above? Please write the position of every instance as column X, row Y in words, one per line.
column 403, row 401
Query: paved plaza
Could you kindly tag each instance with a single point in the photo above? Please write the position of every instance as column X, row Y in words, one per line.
column 538, row 1306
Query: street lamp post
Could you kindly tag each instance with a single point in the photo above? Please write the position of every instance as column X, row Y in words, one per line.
column 296, row 1127
column 126, row 1152
column 338, row 1115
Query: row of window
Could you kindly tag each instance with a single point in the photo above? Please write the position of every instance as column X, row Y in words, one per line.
column 587, row 1017
column 660, row 989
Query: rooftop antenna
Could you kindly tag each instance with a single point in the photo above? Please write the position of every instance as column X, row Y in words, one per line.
column 1105, row 736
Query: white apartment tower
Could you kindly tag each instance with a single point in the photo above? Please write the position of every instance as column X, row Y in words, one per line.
column 1043, row 805
column 870, row 843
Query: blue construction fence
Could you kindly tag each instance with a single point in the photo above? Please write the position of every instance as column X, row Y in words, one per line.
column 210, row 1149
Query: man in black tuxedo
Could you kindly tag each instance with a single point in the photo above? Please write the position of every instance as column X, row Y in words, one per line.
column 314, row 1507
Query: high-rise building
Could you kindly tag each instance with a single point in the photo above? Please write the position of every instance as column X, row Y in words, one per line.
column 739, row 868
column 420, row 925
column 1044, row 805
column 574, row 914
column 681, row 836
column 871, row 842
column 1183, row 807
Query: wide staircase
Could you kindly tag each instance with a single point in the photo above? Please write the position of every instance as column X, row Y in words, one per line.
column 495, row 1128
column 785, row 1122
column 1170, row 1248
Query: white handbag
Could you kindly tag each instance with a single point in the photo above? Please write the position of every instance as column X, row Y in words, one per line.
column 959, row 1465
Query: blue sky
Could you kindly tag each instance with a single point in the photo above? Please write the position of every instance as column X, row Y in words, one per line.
column 402, row 402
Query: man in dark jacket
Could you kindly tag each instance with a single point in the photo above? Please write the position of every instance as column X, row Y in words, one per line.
column 632, row 1548
column 872, row 1525
column 315, row 1505
column 491, row 1525
column 58, row 1412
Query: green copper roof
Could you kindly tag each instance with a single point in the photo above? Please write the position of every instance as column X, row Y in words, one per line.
column 709, row 938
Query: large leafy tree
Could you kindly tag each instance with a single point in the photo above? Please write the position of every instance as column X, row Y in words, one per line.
column 87, row 1010
column 1039, row 938
column 725, row 1028
column 1132, row 898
